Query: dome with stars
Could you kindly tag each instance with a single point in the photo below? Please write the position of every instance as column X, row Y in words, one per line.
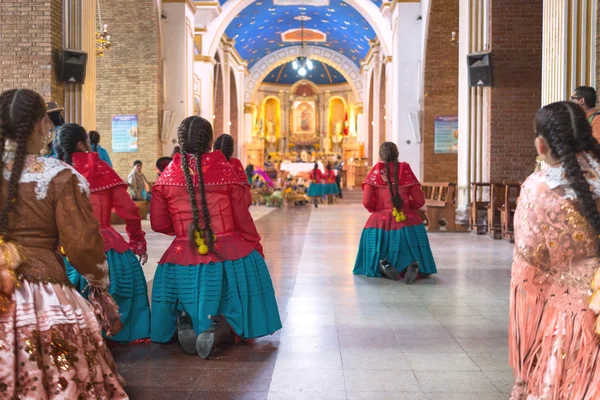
column 322, row 74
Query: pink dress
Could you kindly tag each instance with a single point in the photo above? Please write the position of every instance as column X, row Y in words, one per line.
column 554, row 347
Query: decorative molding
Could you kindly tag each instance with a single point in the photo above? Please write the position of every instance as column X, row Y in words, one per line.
column 200, row 31
column 249, row 108
column 359, row 108
column 208, row 4
column 189, row 3
column 205, row 59
column 265, row 65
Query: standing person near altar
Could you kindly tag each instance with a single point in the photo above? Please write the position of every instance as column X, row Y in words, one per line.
column 330, row 187
column 316, row 190
column 554, row 296
column 339, row 171
column 394, row 241
column 212, row 285
column 108, row 191
column 51, row 344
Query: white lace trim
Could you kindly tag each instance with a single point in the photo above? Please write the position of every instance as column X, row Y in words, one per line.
column 104, row 268
column 42, row 171
column 555, row 177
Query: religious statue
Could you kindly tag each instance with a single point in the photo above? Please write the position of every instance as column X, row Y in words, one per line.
column 337, row 136
column 327, row 144
column 271, row 137
column 305, row 120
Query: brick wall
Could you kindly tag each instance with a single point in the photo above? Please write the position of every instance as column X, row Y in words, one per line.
column 129, row 80
column 30, row 46
column 441, row 87
column 515, row 96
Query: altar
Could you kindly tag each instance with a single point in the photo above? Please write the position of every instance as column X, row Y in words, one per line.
column 295, row 169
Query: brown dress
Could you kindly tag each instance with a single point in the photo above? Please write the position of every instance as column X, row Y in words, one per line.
column 51, row 345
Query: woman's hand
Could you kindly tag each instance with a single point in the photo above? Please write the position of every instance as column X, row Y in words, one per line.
column 143, row 258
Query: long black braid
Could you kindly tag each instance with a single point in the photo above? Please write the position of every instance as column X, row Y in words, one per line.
column 20, row 111
column 316, row 167
column 66, row 140
column 195, row 134
column 94, row 140
column 388, row 152
column 565, row 128
column 224, row 143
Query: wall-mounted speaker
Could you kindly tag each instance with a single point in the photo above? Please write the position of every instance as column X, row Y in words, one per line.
column 480, row 69
column 72, row 66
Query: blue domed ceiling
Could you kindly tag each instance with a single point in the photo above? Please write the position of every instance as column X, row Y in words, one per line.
column 258, row 29
column 321, row 74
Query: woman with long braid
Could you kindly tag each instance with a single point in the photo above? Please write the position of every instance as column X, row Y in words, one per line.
column 554, row 347
column 96, row 148
column 316, row 189
column 51, row 344
column 212, row 285
column 108, row 191
column 224, row 144
column 394, row 241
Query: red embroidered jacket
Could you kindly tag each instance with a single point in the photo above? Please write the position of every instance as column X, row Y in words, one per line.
column 329, row 176
column 226, row 196
column 319, row 176
column 109, row 191
column 377, row 198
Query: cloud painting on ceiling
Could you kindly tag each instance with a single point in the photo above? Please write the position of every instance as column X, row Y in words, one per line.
column 309, row 35
column 322, row 74
column 258, row 29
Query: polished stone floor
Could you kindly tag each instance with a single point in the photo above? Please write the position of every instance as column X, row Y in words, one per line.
column 348, row 337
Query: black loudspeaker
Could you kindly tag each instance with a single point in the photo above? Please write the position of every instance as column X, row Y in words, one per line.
column 72, row 66
column 480, row 69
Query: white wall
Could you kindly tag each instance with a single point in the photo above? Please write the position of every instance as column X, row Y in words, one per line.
column 406, row 59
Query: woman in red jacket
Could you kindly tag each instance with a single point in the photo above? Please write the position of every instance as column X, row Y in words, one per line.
column 394, row 240
column 212, row 282
column 127, row 281
column 316, row 188
column 224, row 144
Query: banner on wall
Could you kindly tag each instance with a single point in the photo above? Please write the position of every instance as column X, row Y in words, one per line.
column 446, row 135
column 125, row 133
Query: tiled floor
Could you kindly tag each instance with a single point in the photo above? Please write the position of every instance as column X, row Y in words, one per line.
column 348, row 337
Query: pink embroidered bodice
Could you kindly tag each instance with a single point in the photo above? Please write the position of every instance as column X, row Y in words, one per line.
column 555, row 249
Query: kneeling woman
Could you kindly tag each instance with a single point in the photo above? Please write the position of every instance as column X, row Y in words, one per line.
column 212, row 284
column 394, row 241
column 128, row 284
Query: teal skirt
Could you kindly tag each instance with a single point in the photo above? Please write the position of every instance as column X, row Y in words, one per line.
column 330, row 189
column 316, row 190
column 400, row 247
column 241, row 290
column 129, row 289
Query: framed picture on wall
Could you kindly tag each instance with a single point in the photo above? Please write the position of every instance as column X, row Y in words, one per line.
column 304, row 121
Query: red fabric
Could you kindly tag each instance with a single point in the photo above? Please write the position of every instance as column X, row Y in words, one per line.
column 216, row 170
column 239, row 169
column 377, row 199
column 405, row 176
column 171, row 214
column 319, row 176
column 108, row 192
column 329, row 176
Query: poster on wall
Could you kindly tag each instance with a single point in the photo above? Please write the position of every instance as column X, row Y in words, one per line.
column 446, row 135
column 125, row 133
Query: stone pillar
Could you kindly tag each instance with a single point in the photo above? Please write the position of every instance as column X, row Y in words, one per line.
column 282, row 120
column 204, row 68
column 179, row 63
column 377, row 108
column 405, row 84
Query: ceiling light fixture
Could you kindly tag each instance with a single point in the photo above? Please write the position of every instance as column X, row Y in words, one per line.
column 302, row 64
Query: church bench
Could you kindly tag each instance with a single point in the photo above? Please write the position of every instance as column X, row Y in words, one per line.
column 440, row 203
column 494, row 209
column 512, row 190
column 480, row 218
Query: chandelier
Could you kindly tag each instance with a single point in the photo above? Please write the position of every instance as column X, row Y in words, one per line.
column 103, row 42
column 302, row 64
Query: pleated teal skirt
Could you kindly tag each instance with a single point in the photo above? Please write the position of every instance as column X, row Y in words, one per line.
column 129, row 289
column 400, row 247
column 330, row 189
column 316, row 190
column 241, row 290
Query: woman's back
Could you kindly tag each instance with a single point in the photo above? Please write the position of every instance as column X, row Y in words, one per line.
column 226, row 200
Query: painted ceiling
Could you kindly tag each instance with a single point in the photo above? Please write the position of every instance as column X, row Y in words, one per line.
column 257, row 29
column 322, row 74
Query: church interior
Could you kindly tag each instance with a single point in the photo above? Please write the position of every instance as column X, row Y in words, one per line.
column 455, row 84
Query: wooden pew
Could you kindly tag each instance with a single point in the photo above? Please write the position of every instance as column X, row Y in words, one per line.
column 494, row 210
column 512, row 190
column 142, row 208
column 440, row 200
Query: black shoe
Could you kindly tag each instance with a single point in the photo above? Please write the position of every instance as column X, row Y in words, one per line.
column 186, row 334
column 411, row 274
column 218, row 334
column 388, row 271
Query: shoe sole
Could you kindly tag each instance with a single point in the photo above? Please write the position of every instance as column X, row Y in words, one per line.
column 391, row 273
column 187, row 339
column 411, row 276
column 205, row 344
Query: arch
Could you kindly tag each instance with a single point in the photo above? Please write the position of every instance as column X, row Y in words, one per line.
column 261, row 69
column 303, row 82
column 234, row 124
column 218, row 87
column 369, row 11
column 340, row 98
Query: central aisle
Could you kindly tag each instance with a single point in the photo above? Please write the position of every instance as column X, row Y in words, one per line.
column 349, row 337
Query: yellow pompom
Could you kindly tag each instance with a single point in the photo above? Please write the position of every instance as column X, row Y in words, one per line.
column 62, row 251
column 214, row 237
column 203, row 249
column 199, row 242
column 402, row 217
column 197, row 234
